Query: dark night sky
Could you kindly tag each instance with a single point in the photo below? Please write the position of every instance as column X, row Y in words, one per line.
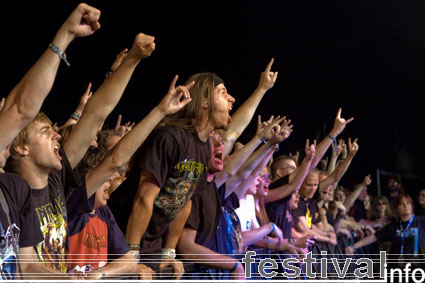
column 367, row 57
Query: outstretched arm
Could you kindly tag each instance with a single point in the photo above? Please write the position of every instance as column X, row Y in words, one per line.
column 360, row 244
column 342, row 167
column 241, row 189
column 255, row 235
column 26, row 98
column 244, row 114
column 336, row 151
column 280, row 133
column 322, row 147
column 298, row 176
column 351, row 198
column 174, row 100
column 105, row 99
column 265, row 130
column 119, row 267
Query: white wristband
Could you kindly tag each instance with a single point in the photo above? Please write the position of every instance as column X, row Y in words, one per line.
column 169, row 253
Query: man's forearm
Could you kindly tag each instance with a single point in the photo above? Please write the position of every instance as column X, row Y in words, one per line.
column 97, row 109
column 242, row 188
column 235, row 161
column 351, row 198
column 176, row 227
column 36, row 270
column 245, row 171
column 252, row 236
column 26, row 98
column 240, row 119
column 122, row 151
column 332, row 164
column 365, row 241
column 321, row 149
column 202, row 255
column 121, row 266
column 138, row 222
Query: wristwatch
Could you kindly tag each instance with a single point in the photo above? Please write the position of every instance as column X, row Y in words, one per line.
column 169, row 253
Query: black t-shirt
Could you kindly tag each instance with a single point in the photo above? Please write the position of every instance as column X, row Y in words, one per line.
column 50, row 206
column 205, row 214
column 178, row 160
column 414, row 236
column 278, row 211
column 26, row 231
column 329, row 217
column 308, row 209
column 357, row 211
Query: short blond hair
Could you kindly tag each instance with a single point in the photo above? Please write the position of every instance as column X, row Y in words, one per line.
column 22, row 139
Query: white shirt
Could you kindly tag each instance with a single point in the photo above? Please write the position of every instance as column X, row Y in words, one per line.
column 246, row 213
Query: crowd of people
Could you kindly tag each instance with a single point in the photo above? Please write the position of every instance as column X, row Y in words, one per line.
column 79, row 201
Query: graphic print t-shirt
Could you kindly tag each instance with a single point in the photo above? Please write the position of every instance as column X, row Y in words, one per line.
column 23, row 228
column 93, row 240
column 178, row 160
column 308, row 209
column 50, row 208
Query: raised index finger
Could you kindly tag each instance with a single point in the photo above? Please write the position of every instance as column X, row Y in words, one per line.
column 269, row 66
column 338, row 115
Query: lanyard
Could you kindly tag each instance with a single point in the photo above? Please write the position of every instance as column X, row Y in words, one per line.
column 402, row 233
